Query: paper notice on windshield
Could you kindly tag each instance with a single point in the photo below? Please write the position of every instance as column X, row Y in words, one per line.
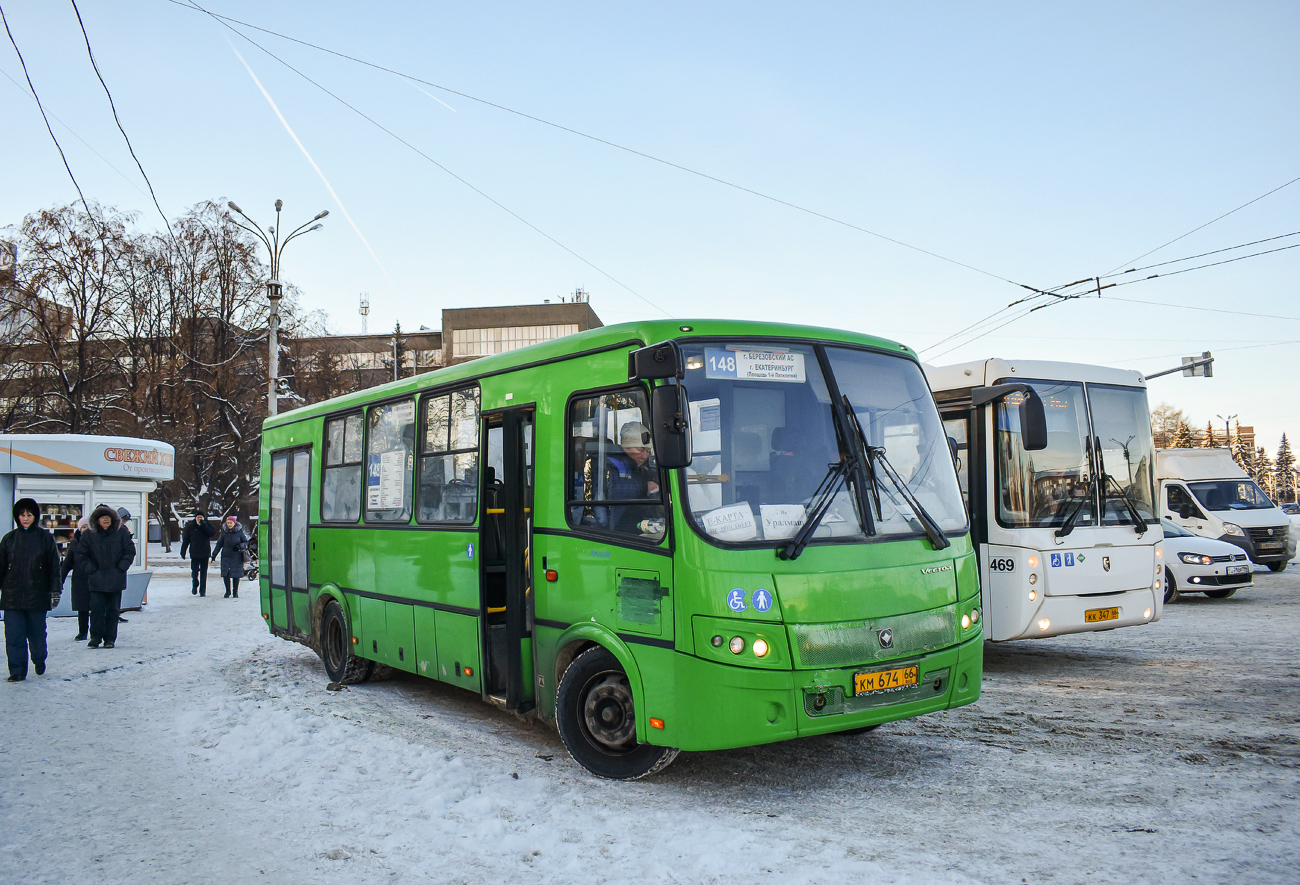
column 706, row 425
column 754, row 365
column 704, row 482
column 732, row 523
column 781, row 520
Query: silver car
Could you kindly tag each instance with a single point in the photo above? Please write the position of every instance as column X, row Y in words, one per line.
column 1202, row 565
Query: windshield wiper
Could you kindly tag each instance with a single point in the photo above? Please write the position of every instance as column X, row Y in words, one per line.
column 1068, row 525
column 1139, row 524
column 877, row 453
column 818, row 505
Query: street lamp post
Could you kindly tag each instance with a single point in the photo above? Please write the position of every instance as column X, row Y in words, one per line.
column 275, row 291
column 1227, row 429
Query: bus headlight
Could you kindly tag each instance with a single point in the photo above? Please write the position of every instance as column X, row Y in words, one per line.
column 737, row 644
column 965, row 622
column 760, row 648
column 1044, row 624
column 1231, row 529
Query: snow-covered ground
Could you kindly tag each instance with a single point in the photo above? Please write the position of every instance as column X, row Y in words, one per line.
column 201, row 749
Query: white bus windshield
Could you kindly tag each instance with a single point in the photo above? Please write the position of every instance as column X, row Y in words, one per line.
column 1046, row 488
column 764, row 438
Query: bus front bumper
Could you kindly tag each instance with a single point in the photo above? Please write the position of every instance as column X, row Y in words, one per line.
column 712, row 706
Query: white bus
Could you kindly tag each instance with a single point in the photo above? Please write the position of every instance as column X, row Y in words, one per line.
column 1066, row 535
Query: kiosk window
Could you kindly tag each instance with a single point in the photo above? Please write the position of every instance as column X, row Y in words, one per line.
column 341, row 492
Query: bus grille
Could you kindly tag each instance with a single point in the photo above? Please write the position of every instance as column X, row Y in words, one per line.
column 1269, row 539
column 858, row 642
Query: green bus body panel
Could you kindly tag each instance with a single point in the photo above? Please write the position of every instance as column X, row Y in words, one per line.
column 412, row 593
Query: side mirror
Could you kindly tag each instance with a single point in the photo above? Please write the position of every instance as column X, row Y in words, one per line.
column 670, row 426
column 1033, row 419
column 952, row 450
column 662, row 360
column 1033, row 422
column 1184, row 511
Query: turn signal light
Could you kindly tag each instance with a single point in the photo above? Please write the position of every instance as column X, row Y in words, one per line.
column 552, row 575
column 656, row 723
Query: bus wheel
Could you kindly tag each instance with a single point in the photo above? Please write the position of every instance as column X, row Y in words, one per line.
column 1221, row 594
column 341, row 665
column 1171, row 588
column 598, row 723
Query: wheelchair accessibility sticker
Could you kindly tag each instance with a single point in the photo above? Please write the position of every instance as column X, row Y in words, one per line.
column 1068, row 561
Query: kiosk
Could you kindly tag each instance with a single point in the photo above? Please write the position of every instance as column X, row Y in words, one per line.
column 69, row 475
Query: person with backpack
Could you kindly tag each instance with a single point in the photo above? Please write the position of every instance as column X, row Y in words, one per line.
column 30, row 586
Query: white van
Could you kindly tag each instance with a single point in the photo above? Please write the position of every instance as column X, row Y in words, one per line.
column 1207, row 493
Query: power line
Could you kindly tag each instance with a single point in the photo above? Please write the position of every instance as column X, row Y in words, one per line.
column 113, row 106
column 40, row 105
column 191, row 4
column 1237, row 313
column 430, row 159
column 74, row 134
column 1203, row 255
column 1174, row 273
column 1201, row 227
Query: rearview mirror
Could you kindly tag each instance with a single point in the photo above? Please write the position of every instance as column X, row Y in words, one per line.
column 670, row 426
column 662, row 360
column 1033, row 419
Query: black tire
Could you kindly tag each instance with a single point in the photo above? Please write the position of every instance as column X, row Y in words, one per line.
column 1171, row 587
column 597, row 721
column 1221, row 594
column 1279, row 566
column 341, row 665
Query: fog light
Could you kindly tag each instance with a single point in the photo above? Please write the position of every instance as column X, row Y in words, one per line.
column 1044, row 623
column 1196, row 580
column 1146, row 615
column 1033, row 578
column 1033, row 595
column 965, row 622
column 760, row 648
column 717, row 641
column 737, row 644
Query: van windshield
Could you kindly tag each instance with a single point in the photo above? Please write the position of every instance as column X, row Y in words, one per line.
column 1230, row 494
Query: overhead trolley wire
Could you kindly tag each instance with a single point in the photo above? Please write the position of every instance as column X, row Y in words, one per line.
column 191, row 4
column 118, row 121
column 40, row 105
column 220, row 19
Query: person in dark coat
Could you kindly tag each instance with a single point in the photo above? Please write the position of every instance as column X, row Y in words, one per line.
column 197, row 539
column 231, row 546
column 108, row 552
column 124, row 516
column 74, row 562
column 30, row 587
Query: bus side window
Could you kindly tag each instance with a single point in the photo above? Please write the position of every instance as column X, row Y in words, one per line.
column 390, row 451
column 613, row 462
column 341, row 485
column 448, row 473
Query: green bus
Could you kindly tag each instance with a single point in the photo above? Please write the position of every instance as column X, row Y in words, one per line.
column 663, row 535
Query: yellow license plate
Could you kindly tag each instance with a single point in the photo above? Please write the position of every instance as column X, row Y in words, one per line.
column 1096, row 615
column 884, row 680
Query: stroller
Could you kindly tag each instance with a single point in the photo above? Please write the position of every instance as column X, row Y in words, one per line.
column 251, row 567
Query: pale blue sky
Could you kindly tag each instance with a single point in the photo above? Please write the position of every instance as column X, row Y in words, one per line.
column 1036, row 143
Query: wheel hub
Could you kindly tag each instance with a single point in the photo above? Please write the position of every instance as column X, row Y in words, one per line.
column 607, row 712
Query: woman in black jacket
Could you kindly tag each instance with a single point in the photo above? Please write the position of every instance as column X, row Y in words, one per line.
column 231, row 546
column 29, row 588
column 108, row 553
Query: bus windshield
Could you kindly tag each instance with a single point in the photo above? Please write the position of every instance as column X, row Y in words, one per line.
column 1230, row 494
column 1062, row 482
column 765, row 438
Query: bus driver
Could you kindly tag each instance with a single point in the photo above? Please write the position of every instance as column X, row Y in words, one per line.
column 630, row 475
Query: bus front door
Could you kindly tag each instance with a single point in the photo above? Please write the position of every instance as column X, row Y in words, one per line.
column 505, row 542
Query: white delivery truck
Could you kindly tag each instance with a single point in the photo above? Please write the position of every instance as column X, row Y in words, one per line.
column 1207, row 493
